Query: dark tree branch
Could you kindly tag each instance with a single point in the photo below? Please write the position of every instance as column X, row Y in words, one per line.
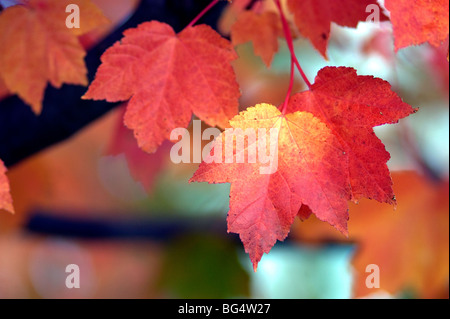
column 151, row 228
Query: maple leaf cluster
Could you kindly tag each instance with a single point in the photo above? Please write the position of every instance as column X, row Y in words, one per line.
column 328, row 153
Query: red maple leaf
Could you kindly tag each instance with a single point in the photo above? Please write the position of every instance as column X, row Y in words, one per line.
column 166, row 77
column 351, row 106
column 5, row 195
column 310, row 166
column 327, row 155
column 314, row 17
column 143, row 166
column 418, row 21
column 239, row 5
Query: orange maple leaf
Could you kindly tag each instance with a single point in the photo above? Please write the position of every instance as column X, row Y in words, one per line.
column 262, row 30
column 314, row 17
column 418, row 21
column 310, row 166
column 327, row 155
column 5, row 195
column 166, row 77
column 410, row 245
column 36, row 47
column 4, row 92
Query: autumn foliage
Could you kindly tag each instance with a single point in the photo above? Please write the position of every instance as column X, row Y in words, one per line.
column 5, row 196
column 37, row 48
column 419, row 21
column 167, row 77
column 324, row 160
column 328, row 154
column 407, row 244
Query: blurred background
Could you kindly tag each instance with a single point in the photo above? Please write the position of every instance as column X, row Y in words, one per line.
column 137, row 229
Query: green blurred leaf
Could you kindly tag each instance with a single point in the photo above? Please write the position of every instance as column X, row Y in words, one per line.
column 203, row 267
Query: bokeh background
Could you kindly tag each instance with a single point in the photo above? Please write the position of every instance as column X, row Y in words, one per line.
column 138, row 229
